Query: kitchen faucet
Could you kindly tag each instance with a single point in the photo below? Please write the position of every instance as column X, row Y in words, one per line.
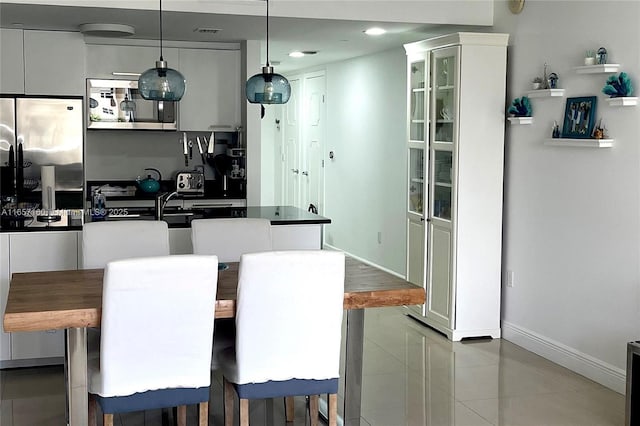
column 161, row 202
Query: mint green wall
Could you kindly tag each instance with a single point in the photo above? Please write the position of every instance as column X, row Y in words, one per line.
column 365, row 183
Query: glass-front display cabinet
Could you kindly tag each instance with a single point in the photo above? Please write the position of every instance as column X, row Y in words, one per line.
column 456, row 89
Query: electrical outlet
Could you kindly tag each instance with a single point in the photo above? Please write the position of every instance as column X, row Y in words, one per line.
column 510, row 278
column 379, row 237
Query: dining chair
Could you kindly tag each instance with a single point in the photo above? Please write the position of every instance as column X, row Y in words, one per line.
column 285, row 297
column 229, row 239
column 103, row 242
column 157, row 332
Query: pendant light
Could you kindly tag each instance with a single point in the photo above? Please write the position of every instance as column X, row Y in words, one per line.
column 161, row 83
column 268, row 87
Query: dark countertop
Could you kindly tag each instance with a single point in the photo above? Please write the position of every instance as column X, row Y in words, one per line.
column 286, row 215
column 277, row 215
column 175, row 218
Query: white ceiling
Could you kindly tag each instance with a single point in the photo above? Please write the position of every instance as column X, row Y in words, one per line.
column 334, row 40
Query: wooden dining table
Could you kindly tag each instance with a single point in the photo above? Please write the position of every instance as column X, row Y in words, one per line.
column 72, row 300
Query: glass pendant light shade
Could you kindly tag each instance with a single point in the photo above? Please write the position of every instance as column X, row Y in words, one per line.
column 268, row 88
column 162, row 83
column 127, row 104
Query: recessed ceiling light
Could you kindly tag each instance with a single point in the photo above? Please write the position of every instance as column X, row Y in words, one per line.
column 296, row 54
column 375, row 31
column 107, row 30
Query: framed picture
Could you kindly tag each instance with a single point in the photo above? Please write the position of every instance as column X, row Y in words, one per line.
column 579, row 117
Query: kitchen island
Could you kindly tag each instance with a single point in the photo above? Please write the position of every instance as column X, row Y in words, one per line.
column 291, row 228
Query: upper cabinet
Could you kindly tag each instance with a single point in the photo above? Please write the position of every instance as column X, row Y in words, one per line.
column 11, row 61
column 213, row 90
column 105, row 60
column 54, row 63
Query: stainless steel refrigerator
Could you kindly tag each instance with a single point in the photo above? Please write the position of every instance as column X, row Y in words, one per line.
column 37, row 132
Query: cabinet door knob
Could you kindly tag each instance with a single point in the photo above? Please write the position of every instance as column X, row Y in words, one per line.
column 305, row 173
column 295, row 171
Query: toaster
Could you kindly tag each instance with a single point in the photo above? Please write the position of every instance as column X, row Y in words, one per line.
column 190, row 182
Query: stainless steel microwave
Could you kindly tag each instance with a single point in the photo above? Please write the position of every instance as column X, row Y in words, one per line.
column 117, row 104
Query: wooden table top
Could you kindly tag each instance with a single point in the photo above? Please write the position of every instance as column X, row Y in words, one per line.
column 56, row 300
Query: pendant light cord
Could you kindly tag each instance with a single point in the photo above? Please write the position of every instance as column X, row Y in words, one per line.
column 161, row 31
column 268, row 63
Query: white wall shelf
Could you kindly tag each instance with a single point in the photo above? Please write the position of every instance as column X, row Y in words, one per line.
column 546, row 93
column 520, row 120
column 580, row 143
column 622, row 101
column 598, row 69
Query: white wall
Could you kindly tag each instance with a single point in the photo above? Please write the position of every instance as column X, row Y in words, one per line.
column 572, row 214
column 270, row 147
column 365, row 183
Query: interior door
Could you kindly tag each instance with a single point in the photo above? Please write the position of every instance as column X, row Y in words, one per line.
column 312, row 166
column 291, row 149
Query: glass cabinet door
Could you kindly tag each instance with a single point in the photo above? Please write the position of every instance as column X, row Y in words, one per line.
column 442, row 184
column 416, row 181
column 444, row 106
column 417, row 118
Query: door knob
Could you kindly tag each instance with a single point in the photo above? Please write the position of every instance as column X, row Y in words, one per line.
column 295, row 171
column 305, row 173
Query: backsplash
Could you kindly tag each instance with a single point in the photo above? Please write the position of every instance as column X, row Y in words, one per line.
column 125, row 154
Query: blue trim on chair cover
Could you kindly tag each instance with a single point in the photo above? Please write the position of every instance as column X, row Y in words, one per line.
column 152, row 400
column 272, row 389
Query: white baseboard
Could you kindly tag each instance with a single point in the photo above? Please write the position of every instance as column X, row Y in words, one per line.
column 368, row 262
column 599, row 371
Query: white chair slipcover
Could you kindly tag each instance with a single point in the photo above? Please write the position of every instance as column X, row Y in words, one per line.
column 230, row 238
column 157, row 325
column 285, row 297
column 103, row 242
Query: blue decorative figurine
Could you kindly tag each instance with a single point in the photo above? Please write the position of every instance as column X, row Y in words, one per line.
column 553, row 80
column 617, row 87
column 520, row 107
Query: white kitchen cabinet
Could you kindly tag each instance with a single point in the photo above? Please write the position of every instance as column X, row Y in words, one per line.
column 105, row 59
column 54, row 63
column 11, row 61
column 213, row 90
column 459, row 112
column 296, row 237
column 284, row 237
column 33, row 252
column 180, row 241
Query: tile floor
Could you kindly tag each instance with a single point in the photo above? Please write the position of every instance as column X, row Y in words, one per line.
column 412, row 376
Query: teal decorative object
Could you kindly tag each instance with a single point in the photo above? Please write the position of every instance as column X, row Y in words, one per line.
column 617, row 87
column 520, row 107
